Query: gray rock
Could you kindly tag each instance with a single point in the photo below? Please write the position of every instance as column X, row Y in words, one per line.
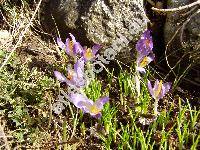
column 188, row 39
column 99, row 21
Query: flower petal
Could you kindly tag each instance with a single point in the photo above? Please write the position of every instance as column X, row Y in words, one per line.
column 101, row 101
column 78, row 82
column 60, row 76
column 80, row 101
column 145, row 43
column 68, row 46
column 73, row 38
column 156, row 85
column 77, row 48
column 146, row 60
column 151, row 57
column 140, row 69
column 95, row 48
column 165, row 88
column 97, row 116
column 150, row 88
column 60, row 43
column 79, row 68
column 75, row 78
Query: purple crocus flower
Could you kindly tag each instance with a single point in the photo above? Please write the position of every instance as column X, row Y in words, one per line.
column 72, row 47
column 159, row 89
column 74, row 77
column 158, row 92
column 144, row 47
column 87, row 105
column 145, row 43
column 89, row 54
column 143, row 60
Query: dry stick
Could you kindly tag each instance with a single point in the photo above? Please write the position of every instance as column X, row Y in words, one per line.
column 21, row 36
column 177, row 9
column 189, row 12
column 4, row 18
column 166, row 57
column 4, row 138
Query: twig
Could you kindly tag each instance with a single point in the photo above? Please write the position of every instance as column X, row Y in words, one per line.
column 21, row 36
column 189, row 12
column 177, row 9
column 166, row 57
column 4, row 18
column 4, row 138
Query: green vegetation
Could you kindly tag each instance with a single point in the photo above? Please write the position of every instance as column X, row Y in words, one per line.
column 28, row 93
column 27, row 96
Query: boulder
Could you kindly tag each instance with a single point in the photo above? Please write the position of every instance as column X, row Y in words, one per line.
column 106, row 22
column 184, row 49
column 187, row 25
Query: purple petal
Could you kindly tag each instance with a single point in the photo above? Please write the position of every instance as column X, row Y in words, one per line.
column 140, row 45
column 71, row 83
column 80, row 101
column 73, row 38
column 87, row 105
column 147, row 34
column 101, row 101
column 150, row 88
column 151, row 56
column 75, row 79
column 77, row 48
column 87, row 54
column 97, row 116
column 140, row 57
column 60, row 76
column 165, row 88
column 60, row 43
column 145, row 43
column 68, row 46
column 145, row 61
column 96, row 48
column 156, row 85
column 79, row 68
column 78, row 82
column 140, row 69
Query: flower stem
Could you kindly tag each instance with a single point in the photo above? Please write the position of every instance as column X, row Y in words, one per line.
column 156, row 107
column 137, row 85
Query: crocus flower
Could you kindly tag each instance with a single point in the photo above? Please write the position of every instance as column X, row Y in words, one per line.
column 158, row 91
column 89, row 54
column 74, row 77
column 144, row 47
column 145, row 55
column 143, row 60
column 87, row 105
column 145, row 43
column 72, row 47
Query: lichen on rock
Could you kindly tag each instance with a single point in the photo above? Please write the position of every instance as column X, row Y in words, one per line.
column 99, row 21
